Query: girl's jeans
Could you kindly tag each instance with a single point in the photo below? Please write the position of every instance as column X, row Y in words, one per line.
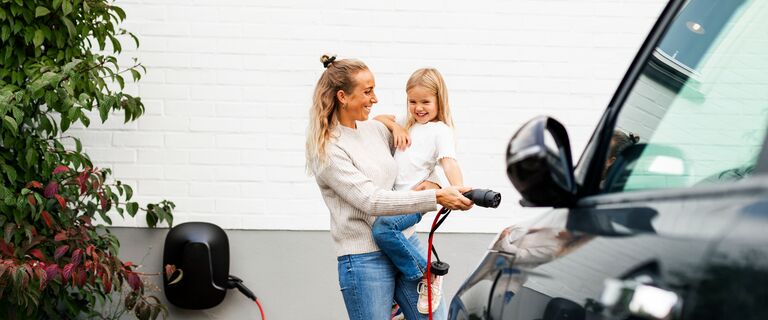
column 388, row 234
column 369, row 282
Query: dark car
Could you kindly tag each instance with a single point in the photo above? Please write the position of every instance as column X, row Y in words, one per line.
column 666, row 214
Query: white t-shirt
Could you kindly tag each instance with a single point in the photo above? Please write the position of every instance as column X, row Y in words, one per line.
column 430, row 142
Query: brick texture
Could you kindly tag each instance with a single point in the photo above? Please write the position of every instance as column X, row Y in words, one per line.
column 229, row 85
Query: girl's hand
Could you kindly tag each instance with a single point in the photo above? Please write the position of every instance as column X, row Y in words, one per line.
column 452, row 198
column 426, row 184
column 401, row 138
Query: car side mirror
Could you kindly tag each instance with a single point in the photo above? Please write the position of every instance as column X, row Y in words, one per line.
column 539, row 164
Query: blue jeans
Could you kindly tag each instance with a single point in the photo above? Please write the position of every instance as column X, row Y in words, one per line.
column 388, row 234
column 369, row 282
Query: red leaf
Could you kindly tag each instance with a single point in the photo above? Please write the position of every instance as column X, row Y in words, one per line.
column 107, row 283
column 60, row 251
column 77, row 256
column 52, row 271
column 3, row 267
column 103, row 201
column 81, row 278
column 67, row 272
column 51, row 189
column 6, row 249
column 47, row 218
column 61, row 200
column 25, row 274
column 37, row 254
column 41, row 275
column 127, row 264
column 32, row 200
column 133, row 280
column 34, row 184
column 61, row 236
column 81, row 179
column 60, row 169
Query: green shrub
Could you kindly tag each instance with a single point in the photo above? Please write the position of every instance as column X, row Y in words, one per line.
column 57, row 67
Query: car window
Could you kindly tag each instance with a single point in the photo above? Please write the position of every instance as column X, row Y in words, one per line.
column 698, row 113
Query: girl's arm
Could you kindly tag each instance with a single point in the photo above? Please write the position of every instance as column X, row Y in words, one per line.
column 452, row 171
column 400, row 136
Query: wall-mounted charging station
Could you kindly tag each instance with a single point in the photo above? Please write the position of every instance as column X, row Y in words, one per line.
column 199, row 253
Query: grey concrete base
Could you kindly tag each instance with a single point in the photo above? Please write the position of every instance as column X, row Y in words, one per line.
column 292, row 272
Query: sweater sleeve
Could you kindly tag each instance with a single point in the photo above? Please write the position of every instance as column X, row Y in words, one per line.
column 359, row 191
column 386, row 135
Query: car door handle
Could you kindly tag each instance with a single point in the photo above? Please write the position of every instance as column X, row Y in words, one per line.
column 639, row 298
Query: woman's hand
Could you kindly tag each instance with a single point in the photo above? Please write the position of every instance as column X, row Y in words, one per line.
column 400, row 137
column 452, row 198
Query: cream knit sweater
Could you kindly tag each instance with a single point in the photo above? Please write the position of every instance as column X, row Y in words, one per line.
column 356, row 184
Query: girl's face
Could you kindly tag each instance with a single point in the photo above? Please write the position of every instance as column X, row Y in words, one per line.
column 358, row 103
column 422, row 104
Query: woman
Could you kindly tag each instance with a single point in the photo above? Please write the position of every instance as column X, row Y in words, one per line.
column 352, row 162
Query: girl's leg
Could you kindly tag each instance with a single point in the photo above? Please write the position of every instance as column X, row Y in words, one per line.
column 407, row 296
column 367, row 283
column 388, row 234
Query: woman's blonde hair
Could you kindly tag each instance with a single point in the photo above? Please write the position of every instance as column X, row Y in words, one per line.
column 338, row 75
column 432, row 80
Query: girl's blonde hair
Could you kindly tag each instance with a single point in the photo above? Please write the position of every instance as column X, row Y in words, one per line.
column 338, row 75
column 432, row 80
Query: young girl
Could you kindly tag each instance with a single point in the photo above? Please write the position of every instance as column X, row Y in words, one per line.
column 422, row 141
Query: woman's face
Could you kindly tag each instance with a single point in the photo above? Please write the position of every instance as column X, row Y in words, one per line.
column 356, row 105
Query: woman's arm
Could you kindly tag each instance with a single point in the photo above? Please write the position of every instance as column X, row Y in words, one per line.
column 452, row 171
column 358, row 190
column 401, row 138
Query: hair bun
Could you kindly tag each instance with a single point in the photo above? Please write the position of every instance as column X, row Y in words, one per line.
column 327, row 59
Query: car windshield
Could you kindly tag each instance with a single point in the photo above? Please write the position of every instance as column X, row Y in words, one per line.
column 698, row 113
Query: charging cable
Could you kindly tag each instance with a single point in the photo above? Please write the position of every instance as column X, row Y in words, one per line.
column 441, row 267
column 235, row 282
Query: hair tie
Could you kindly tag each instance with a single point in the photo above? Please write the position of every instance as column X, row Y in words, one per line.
column 328, row 62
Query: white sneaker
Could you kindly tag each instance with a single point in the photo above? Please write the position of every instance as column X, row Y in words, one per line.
column 437, row 289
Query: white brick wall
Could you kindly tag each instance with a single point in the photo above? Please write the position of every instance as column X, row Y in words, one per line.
column 229, row 85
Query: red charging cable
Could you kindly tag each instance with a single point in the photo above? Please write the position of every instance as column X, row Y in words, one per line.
column 261, row 310
column 435, row 224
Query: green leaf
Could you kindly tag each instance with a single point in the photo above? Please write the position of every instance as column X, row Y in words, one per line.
column 10, row 172
column 78, row 145
column 41, row 11
column 31, row 157
column 66, row 6
column 120, row 81
column 136, row 75
column 70, row 26
column 119, row 12
column 135, row 39
column 39, row 37
column 65, row 122
column 11, row 124
column 103, row 112
column 71, row 65
column 128, row 192
column 132, row 208
column 115, row 44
